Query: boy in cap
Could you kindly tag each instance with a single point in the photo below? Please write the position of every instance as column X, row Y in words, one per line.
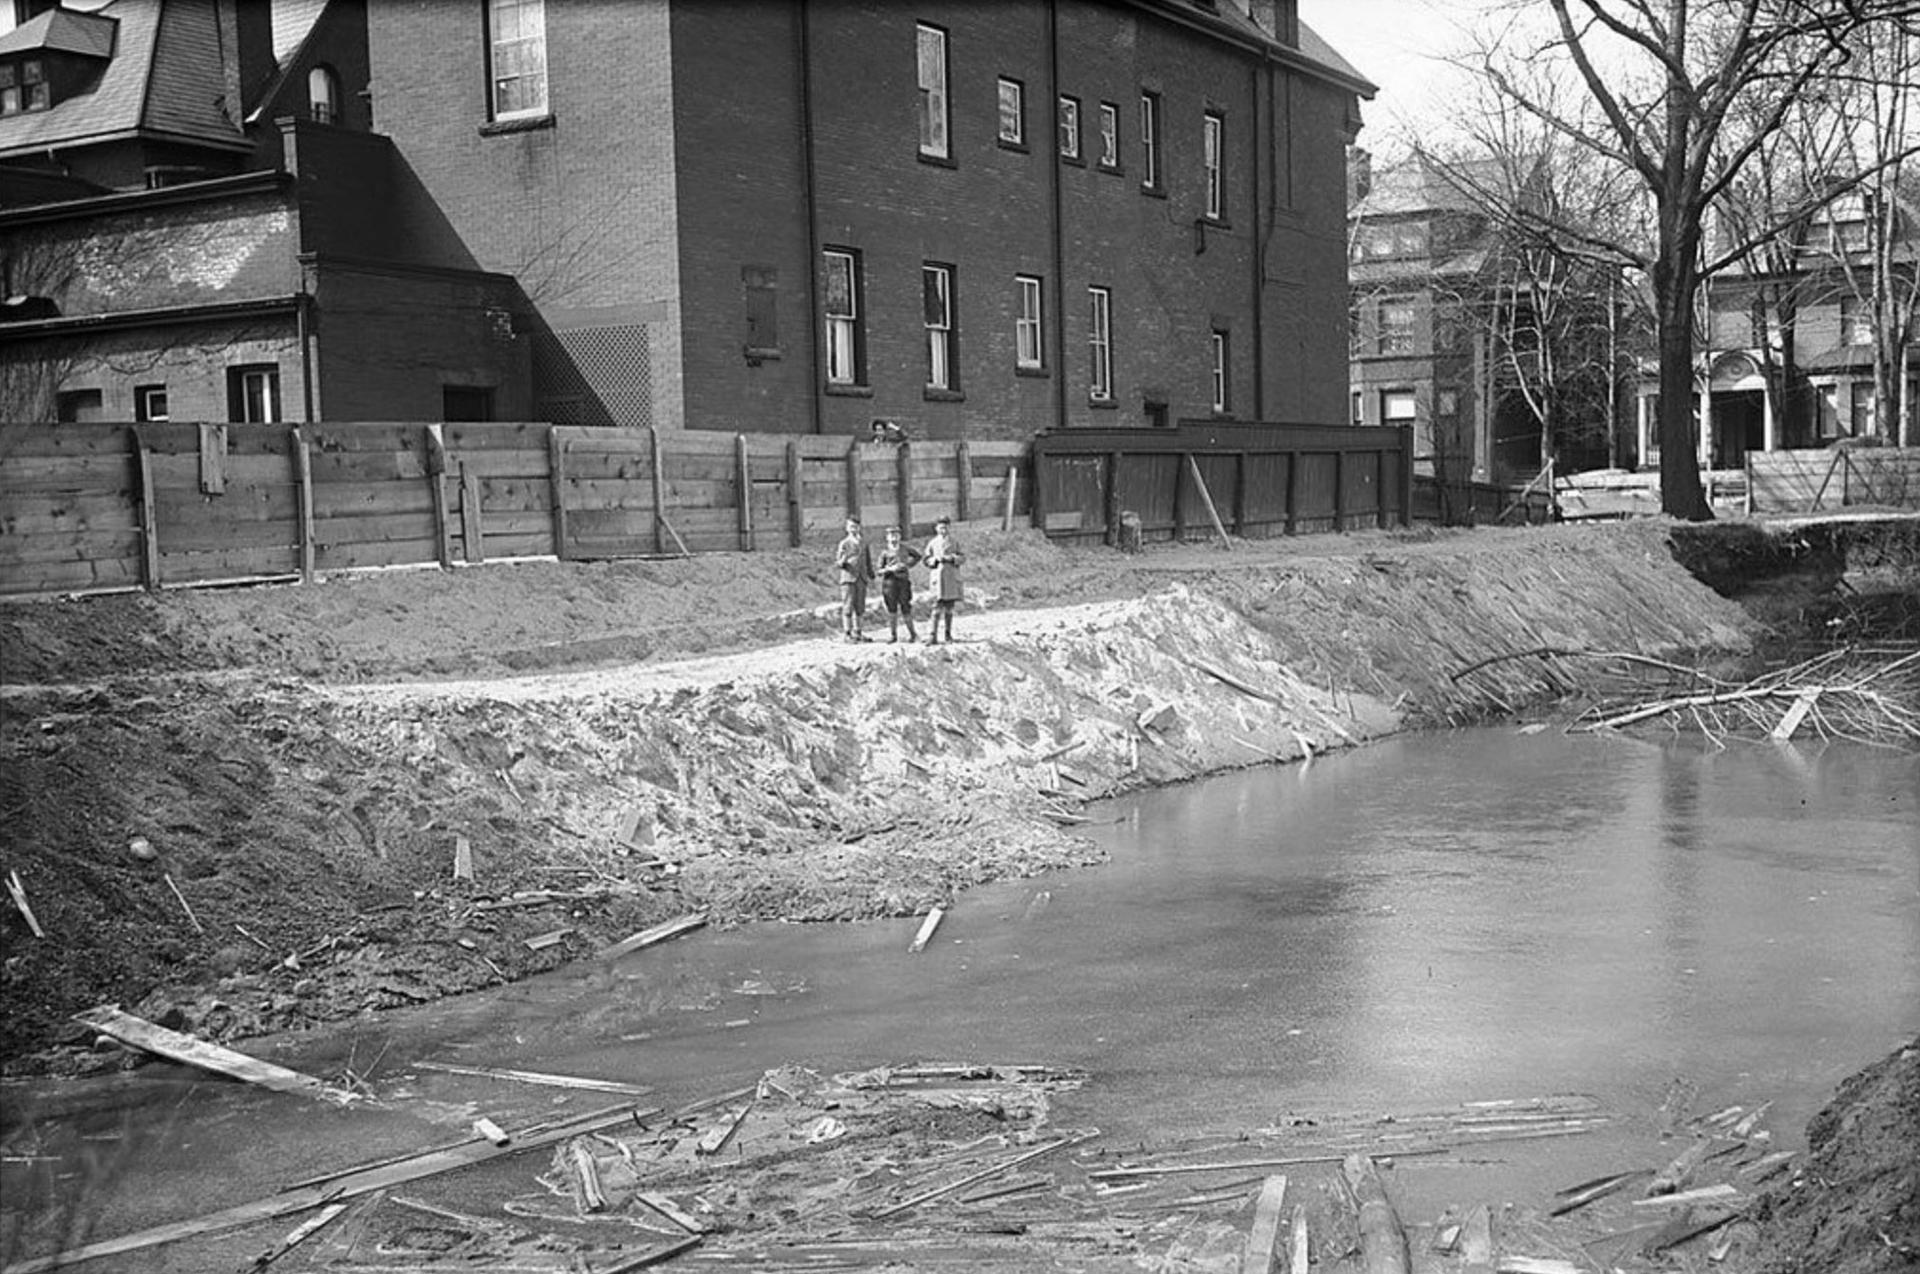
column 897, row 561
column 943, row 558
column 855, row 562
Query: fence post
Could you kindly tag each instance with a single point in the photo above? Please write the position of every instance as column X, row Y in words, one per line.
column 1406, row 476
column 437, row 476
column 1293, row 492
column 303, row 491
column 903, row 482
column 1112, row 509
column 149, row 516
column 1339, row 491
column 796, row 495
column 659, row 491
column 745, row 475
column 853, row 479
column 557, row 485
column 1240, row 493
column 963, row 495
column 470, row 529
column 1180, row 498
column 1380, row 488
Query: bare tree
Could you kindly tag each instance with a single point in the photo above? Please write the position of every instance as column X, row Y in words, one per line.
column 1683, row 94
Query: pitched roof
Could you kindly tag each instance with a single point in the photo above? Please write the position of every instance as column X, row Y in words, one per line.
column 1416, row 185
column 62, row 31
column 164, row 78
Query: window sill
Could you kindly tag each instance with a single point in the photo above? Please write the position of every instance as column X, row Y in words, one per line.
column 1040, row 373
column 937, row 161
column 1112, row 170
column 943, row 395
column 1019, row 147
column 755, row 355
column 1215, row 223
column 527, row 124
column 1103, row 404
column 1153, row 192
column 1074, row 160
column 849, row 391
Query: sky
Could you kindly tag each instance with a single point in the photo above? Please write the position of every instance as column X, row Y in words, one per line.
column 1394, row 43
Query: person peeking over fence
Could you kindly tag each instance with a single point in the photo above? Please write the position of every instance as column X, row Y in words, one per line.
column 855, row 563
column 887, row 431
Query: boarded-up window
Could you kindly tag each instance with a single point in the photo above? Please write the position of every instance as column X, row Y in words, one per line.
column 760, row 289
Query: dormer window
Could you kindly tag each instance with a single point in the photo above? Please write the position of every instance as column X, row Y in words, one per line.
column 23, row 87
column 323, row 95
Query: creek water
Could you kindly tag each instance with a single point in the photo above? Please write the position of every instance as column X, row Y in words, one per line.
column 1432, row 919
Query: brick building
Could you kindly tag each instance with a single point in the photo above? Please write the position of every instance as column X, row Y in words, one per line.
column 972, row 217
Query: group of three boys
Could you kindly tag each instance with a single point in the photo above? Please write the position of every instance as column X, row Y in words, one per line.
column 855, row 562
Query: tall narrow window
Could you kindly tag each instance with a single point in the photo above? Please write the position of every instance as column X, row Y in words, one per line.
column 933, row 92
column 936, row 286
column 1150, row 141
column 517, row 36
column 1013, row 113
column 760, row 293
column 1069, row 127
column 253, row 394
column 1222, row 371
column 841, row 299
column 1027, row 325
column 1212, row 142
column 1100, row 345
column 323, row 95
column 1395, row 334
column 1109, row 135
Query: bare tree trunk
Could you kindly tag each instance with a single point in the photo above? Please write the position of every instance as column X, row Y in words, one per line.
column 1681, row 494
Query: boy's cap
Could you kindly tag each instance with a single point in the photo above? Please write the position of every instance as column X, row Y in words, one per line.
column 943, row 521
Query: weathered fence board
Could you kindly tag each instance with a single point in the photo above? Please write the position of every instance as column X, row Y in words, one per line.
column 1834, row 477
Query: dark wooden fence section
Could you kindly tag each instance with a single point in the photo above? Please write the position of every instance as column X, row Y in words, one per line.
column 88, row 507
column 1262, row 479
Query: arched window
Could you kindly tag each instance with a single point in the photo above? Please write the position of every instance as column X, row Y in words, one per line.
column 323, row 95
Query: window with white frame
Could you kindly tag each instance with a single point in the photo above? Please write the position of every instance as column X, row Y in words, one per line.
column 517, row 47
column 1013, row 112
column 1069, row 127
column 1856, row 322
column 1222, row 370
column 150, row 403
column 1100, row 345
column 936, row 287
column 1149, row 141
column 23, row 87
column 1109, row 135
column 1212, row 158
column 1397, row 407
column 1357, row 411
column 1395, row 334
column 1028, row 350
column 933, row 91
column 323, row 95
column 253, row 393
column 840, row 303
column 1861, row 426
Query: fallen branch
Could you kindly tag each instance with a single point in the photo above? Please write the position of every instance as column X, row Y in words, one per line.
column 19, row 892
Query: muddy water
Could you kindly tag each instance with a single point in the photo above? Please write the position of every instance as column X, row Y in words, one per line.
column 1433, row 919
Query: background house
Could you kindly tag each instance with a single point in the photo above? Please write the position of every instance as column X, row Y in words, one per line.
column 974, row 218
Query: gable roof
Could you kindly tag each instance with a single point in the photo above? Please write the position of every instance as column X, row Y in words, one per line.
column 1418, row 186
column 164, row 79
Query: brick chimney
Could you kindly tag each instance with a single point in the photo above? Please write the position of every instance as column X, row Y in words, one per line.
column 246, row 53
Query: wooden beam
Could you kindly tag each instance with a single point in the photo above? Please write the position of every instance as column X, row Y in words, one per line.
column 1339, row 490
column 470, row 528
column 744, row 482
column 1264, row 1238
column 903, row 488
column 1380, row 488
column 109, row 1020
column 557, row 486
column 796, row 496
column 437, row 477
column 149, row 520
column 1112, row 510
column 1013, row 490
column 1206, row 498
column 1180, row 498
column 963, row 494
column 659, row 492
column 1383, row 1243
column 303, row 477
column 1240, row 492
column 213, row 459
column 853, row 479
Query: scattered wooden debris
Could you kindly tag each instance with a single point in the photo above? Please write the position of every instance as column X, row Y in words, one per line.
column 1476, row 1238
column 672, row 1211
column 1576, row 1197
column 462, row 858
column 487, row 1130
column 1687, row 1198
column 583, row 1172
column 716, row 1140
column 1298, row 1252
column 1383, row 1243
column 298, row 1235
column 1765, row 1166
column 1746, row 1127
column 1263, row 1239
column 653, row 1255
column 538, row 1077
column 1536, row 1265
column 108, row 1019
column 19, row 892
column 184, row 905
column 993, row 1171
column 657, row 934
column 927, row 927
column 1677, row 1174
column 541, row 941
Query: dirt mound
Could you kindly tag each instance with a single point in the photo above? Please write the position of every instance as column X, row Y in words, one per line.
column 1855, row 1206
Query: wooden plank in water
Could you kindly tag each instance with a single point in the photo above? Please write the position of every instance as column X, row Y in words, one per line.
column 109, row 1020
column 648, row 937
column 1263, row 1239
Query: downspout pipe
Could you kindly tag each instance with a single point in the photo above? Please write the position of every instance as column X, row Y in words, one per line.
column 1059, row 247
column 303, row 328
column 807, row 177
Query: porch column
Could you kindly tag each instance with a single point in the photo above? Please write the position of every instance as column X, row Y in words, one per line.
column 1706, row 425
column 1769, row 441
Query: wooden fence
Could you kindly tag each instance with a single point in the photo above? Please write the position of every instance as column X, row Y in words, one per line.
column 89, row 507
column 1256, row 479
column 1834, row 477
